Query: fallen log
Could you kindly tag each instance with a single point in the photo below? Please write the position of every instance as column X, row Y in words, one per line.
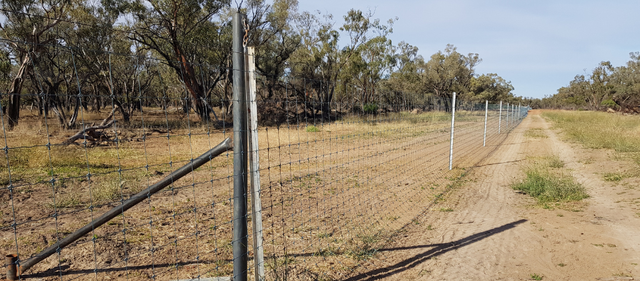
column 87, row 133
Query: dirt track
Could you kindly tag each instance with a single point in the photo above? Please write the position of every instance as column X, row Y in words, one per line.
column 494, row 233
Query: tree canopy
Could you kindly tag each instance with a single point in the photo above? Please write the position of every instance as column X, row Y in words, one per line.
column 126, row 54
column 607, row 87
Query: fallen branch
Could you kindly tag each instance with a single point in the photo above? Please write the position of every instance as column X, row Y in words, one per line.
column 113, row 112
column 88, row 132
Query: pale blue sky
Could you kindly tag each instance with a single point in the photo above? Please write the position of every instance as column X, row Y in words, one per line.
column 537, row 45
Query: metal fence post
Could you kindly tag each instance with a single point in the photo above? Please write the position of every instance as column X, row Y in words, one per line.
column 254, row 157
column 513, row 115
column 514, row 118
column 486, row 114
column 500, row 118
column 453, row 121
column 508, row 117
column 519, row 112
column 239, row 154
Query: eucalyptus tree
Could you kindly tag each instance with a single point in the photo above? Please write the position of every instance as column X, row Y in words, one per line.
column 600, row 86
column 189, row 35
column 449, row 71
column 403, row 83
column 490, row 87
column 273, row 33
column 5, row 67
column 28, row 34
column 626, row 81
column 325, row 65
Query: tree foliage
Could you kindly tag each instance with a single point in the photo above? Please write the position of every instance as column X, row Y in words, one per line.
column 63, row 55
column 607, row 87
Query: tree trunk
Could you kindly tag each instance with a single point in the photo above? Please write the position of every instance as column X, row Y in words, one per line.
column 74, row 116
column 13, row 110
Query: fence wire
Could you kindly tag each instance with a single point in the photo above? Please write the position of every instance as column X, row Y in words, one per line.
column 343, row 170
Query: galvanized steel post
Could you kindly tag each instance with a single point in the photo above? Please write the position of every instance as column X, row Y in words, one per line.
column 508, row 117
column 239, row 241
column 500, row 118
column 519, row 112
column 453, row 121
column 486, row 114
column 254, row 164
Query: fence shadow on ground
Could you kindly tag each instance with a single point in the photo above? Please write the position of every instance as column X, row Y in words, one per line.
column 498, row 163
column 437, row 249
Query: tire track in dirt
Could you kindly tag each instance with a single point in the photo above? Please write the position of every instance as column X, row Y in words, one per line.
column 494, row 233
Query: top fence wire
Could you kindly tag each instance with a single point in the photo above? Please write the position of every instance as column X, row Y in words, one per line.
column 342, row 169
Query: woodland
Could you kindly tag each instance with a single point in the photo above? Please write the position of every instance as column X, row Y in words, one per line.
column 58, row 56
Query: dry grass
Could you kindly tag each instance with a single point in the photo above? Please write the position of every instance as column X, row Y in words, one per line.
column 332, row 195
column 600, row 130
column 535, row 133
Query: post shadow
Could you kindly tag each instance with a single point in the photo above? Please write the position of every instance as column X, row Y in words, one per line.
column 438, row 249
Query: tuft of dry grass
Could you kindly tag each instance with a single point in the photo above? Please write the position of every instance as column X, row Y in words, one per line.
column 535, row 133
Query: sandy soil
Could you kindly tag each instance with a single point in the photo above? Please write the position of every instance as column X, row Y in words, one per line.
column 494, row 233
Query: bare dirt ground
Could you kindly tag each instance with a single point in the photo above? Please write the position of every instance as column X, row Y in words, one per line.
column 490, row 232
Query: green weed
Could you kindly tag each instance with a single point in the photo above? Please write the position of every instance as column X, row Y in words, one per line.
column 613, row 177
column 549, row 186
column 535, row 276
column 312, row 129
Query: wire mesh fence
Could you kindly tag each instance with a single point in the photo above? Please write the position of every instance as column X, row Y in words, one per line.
column 340, row 180
column 342, row 170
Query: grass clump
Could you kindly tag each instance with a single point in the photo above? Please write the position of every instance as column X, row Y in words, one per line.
column 555, row 162
column 547, row 186
column 536, row 277
column 535, row 133
column 312, row 129
column 613, row 177
column 547, row 183
column 108, row 192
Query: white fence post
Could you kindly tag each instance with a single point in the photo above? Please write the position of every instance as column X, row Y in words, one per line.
column 453, row 121
column 500, row 118
column 519, row 112
column 508, row 117
column 513, row 115
column 254, row 160
column 486, row 114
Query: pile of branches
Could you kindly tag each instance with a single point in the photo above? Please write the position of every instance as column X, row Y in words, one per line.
column 94, row 133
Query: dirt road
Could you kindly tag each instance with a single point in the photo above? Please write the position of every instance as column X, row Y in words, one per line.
column 494, row 233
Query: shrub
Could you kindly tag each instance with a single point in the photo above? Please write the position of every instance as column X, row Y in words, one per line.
column 609, row 103
column 312, row 129
column 370, row 108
